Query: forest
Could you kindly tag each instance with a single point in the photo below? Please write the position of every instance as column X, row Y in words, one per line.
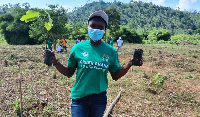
column 135, row 22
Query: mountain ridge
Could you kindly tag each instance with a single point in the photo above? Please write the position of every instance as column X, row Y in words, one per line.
column 143, row 15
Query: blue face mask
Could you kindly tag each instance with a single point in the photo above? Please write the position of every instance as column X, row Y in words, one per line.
column 95, row 34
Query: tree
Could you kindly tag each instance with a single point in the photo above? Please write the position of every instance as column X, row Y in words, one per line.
column 53, row 20
column 79, row 30
column 26, row 5
column 58, row 15
column 15, row 32
column 142, row 15
column 157, row 35
column 128, row 34
column 114, row 20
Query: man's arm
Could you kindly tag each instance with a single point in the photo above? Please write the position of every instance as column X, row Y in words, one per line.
column 67, row 71
column 121, row 72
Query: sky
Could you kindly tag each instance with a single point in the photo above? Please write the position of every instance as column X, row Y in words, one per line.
column 189, row 5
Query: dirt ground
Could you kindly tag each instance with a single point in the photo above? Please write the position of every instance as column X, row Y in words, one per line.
column 44, row 96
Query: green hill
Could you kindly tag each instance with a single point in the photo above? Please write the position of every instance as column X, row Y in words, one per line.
column 143, row 15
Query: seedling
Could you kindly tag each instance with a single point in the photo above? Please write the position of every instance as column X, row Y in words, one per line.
column 54, row 74
column 197, row 112
column 16, row 105
column 189, row 76
column 157, row 83
column 1, row 80
column 159, row 80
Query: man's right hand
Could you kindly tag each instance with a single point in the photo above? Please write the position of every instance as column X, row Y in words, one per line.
column 47, row 57
column 54, row 60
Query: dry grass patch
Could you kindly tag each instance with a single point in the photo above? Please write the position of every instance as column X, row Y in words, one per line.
column 45, row 96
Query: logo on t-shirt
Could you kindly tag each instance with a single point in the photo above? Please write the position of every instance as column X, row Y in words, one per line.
column 85, row 54
column 105, row 58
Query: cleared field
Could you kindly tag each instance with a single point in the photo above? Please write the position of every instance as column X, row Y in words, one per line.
column 44, row 96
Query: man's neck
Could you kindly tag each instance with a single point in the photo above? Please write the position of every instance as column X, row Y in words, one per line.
column 95, row 43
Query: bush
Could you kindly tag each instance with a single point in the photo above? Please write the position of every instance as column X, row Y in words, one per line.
column 128, row 34
column 15, row 32
column 182, row 37
column 2, row 40
column 157, row 35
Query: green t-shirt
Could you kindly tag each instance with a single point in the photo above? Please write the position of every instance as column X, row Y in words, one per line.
column 93, row 63
column 111, row 42
column 49, row 42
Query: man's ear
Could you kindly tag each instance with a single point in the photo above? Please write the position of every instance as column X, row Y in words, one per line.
column 105, row 34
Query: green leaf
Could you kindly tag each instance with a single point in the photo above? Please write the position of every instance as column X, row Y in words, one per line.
column 165, row 78
column 29, row 87
column 1, row 80
column 154, row 79
column 16, row 104
column 197, row 112
column 48, row 25
column 30, row 16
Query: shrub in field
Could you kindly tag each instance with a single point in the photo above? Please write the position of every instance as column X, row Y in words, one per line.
column 182, row 37
column 15, row 32
column 16, row 105
column 157, row 35
column 197, row 112
column 128, row 34
column 157, row 82
column 2, row 40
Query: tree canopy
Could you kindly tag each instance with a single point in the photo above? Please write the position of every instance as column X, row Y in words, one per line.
column 144, row 15
column 135, row 22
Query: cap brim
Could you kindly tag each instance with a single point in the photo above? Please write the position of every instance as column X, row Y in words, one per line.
column 101, row 14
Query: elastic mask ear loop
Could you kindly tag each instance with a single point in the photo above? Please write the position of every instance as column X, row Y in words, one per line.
column 105, row 36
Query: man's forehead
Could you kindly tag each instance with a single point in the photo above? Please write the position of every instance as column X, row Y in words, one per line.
column 97, row 20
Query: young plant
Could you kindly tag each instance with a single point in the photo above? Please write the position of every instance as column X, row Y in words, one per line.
column 159, row 80
column 16, row 105
column 1, row 80
column 197, row 112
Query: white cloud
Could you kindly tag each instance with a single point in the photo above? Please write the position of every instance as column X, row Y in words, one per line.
column 193, row 1
column 69, row 8
column 185, row 4
column 136, row 0
column 157, row 2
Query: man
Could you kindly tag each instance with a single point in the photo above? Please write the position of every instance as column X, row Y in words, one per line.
column 64, row 41
column 78, row 40
column 49, row 43
column 60, row 48
column 111, row 41
column 92, row 59
column 119, row 44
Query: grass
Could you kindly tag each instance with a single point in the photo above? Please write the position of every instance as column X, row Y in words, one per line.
column 45, row 96
column 2, row 40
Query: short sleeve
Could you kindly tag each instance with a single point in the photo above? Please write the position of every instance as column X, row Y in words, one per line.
column 71, row 60
column 114, row 64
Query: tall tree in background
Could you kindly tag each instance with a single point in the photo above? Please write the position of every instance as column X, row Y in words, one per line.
column 58, row 20
column 15, row 32
column 114, row 20
column 58, row 15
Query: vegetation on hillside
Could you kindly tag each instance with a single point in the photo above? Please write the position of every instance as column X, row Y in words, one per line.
column 135, row 22
column 144, row 15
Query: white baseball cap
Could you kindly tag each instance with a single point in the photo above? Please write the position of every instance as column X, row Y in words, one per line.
column 100, row 13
